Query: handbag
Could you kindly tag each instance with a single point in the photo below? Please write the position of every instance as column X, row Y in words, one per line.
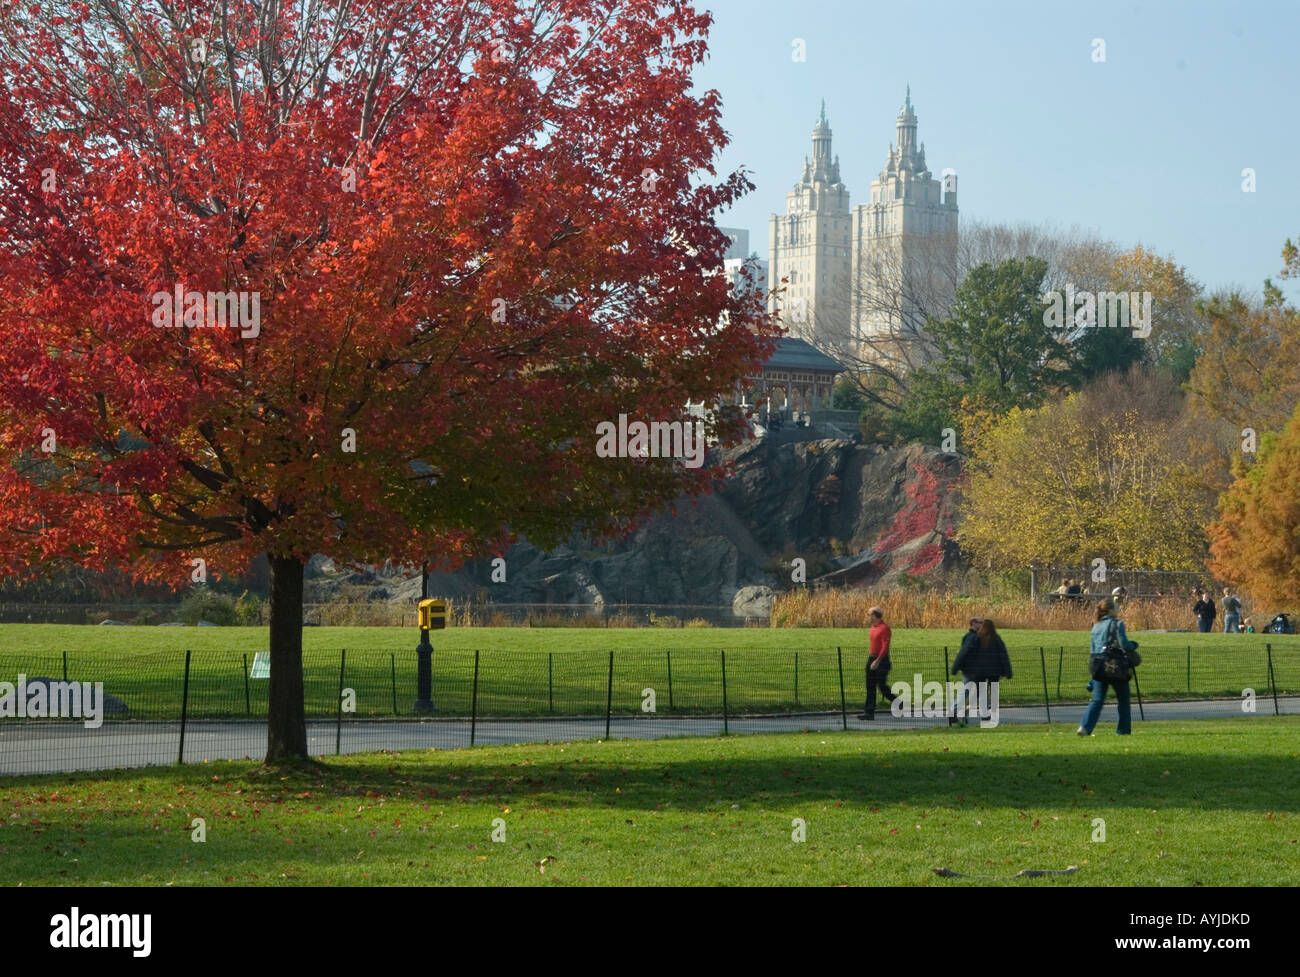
column 1114, row 663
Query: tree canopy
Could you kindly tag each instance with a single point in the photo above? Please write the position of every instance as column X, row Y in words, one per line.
column 445, row 241
column 1092, row 474
column 994, row 350
column 1256, row 538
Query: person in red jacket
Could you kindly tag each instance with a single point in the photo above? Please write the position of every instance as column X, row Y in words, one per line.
column 877, row 663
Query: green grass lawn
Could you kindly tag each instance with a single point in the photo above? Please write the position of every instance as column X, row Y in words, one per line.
column 51, row 639
column 1211, row 802
column 527, row 671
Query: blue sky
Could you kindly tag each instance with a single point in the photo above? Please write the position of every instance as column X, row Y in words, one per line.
column 1147, row 147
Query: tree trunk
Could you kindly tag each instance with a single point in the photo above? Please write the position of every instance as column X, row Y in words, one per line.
column 286, row 728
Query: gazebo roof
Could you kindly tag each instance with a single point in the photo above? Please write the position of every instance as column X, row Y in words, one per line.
column 796, row 354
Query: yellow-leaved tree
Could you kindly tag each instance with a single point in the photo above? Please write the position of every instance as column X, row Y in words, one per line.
column 1095, row 474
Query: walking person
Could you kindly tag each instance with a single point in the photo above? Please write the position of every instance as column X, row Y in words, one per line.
column 968, row 640
column 1231, row 611
column 983, row 656
column 1107, row 622
column 877, row 664
column 1204, row 611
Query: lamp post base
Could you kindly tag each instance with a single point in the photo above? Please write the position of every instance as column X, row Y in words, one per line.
column 424, row 676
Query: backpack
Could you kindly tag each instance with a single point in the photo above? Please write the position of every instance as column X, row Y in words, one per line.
column 1281, row 624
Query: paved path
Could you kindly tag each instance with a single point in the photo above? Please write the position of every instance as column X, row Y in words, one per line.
column 59, row 747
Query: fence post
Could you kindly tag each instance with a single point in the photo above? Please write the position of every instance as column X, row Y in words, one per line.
column 796, row 677
column 609, row 694
column 338, row 721
column 1047, row 702
column 248, row 700
column 844, row 709
column 550, row 681
column 1272, row 682
column 392, row 664
column 946, row 672
column 670, row 678
column 473, row 708
column 1060, row 664
column 65, row 666
column 726, row 729
column 185, row 702
column 1189, row 669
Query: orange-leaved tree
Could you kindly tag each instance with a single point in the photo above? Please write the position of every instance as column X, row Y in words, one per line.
column 1256, row 538
column 359, row 280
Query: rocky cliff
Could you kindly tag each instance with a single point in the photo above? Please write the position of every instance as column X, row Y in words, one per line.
column 853, row 513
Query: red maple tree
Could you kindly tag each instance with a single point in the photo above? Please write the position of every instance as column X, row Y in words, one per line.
column 447, row 239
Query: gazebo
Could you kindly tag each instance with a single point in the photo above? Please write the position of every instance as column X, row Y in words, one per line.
column 795, row 380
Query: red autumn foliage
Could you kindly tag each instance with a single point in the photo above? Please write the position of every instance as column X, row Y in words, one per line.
column 926, row 559
column 919, row 517
column 474, row 231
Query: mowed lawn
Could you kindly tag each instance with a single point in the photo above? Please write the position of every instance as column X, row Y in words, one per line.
column 1211, row 802
column 540, row 671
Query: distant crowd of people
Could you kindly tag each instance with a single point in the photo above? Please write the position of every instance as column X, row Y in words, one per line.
column 1075, row 590
column 1204, row 610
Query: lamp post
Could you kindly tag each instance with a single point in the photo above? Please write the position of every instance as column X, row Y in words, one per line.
column 424, row 657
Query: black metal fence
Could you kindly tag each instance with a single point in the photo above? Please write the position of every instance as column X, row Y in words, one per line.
column 199, row 706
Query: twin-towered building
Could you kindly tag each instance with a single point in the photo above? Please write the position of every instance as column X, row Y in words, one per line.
column 870, row 273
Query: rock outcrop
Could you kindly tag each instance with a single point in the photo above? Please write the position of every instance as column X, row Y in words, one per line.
column 853, row 513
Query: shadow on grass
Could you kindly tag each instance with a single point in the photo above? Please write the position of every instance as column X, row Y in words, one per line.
column 944, row 770
column 275, row 824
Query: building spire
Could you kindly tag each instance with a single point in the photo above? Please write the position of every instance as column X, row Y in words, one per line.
column 821, row 148
column 907, row 134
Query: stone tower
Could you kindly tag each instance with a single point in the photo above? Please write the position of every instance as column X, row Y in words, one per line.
column 904, row 242
column 809, row 245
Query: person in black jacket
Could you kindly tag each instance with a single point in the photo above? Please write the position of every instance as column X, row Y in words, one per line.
column 970, row 639
column 1204, row 611
column 983, row 656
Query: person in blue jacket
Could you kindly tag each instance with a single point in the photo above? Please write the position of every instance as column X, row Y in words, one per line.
column 1106, row 619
